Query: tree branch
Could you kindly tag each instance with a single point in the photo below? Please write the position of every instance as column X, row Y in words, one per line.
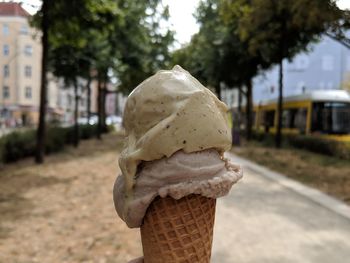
column 342, row 40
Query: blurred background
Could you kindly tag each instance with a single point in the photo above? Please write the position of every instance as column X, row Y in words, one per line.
column 67, row 67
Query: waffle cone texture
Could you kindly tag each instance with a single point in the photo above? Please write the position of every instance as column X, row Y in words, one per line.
column 178, row 231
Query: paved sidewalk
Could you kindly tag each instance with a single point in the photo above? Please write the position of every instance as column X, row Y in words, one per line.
column 264, row 221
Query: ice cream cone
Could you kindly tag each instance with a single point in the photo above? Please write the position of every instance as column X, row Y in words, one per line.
column 178, row 230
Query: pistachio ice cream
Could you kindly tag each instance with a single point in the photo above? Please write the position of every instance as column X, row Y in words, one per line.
column 177, row 132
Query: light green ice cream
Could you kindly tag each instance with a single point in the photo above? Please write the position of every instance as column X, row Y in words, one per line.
column 168, row 112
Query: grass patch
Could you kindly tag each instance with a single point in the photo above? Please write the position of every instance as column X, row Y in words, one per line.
column 326, row 173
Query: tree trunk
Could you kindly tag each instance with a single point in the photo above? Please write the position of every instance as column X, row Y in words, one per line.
column 117, row 112
column 218, row 91
column 99, row 107
column 41, row 133
column 88, row 108
column 76, row 112
column 240, row 100
column 279, row 106
column 104, row 115
column 249, row 106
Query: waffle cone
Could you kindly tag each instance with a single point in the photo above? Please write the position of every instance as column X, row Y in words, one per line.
column 178, row 230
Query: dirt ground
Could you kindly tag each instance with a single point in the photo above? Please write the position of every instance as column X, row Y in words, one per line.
column 63, row 211
column 330, row 175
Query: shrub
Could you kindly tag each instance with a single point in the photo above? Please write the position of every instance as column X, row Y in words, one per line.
column 69, row 134
column 55, row 139
column 309, row 143
column 18, row 145
column 320, row 145
column 87, row 131
column 266, row 139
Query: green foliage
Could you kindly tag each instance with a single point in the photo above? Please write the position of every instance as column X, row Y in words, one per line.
column 322, row 146
column 18, row 145
column 142, row 47
column 204, row 56
column 216, row 53
column 122, row 37
column 55, row 139
column 87, row 131
column 281, row 29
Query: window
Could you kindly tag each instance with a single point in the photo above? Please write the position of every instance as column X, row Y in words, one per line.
column 267, row 119
column 28, row 92
column 270, row 118
column 69, row 100
column 328, row 63
column 5, row 30
column 6, row 71
column 28, row 71
column 331, row 117
column 300, row 119
column 28, row 50
column 288, row 118
column 302, row 63
column 6, row 50
column 348, row 63
column 272, row 89
column 24, row 30
column 6, row 92
column 294, row 119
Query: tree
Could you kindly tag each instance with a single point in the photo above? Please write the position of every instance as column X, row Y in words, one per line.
column 41, row 133
column 216, row 54
column 106, row 35
column 69, row 57
column 137, row 48
column 240, row 65
column 71, row 42
column 67, row 63
column 279, row 30
column 338, row 29
column 145, row 46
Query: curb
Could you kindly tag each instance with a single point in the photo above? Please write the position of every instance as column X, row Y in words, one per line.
column 312, row 194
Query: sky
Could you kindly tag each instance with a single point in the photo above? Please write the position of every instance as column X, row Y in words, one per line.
column 181, row 16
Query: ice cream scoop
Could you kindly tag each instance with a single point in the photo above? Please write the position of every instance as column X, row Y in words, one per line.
column 168, row 112
column 205, row 173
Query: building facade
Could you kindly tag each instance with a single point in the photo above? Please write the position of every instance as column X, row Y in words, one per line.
column 325, row 67
column 20, row 64
column 66, row 100
column 20, row 76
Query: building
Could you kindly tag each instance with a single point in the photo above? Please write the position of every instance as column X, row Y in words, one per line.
column 20, row 76
column 325, row 67
column 20, row 64
column 66, row 101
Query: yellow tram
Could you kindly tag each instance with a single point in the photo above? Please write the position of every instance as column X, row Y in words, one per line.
column 324, row 113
